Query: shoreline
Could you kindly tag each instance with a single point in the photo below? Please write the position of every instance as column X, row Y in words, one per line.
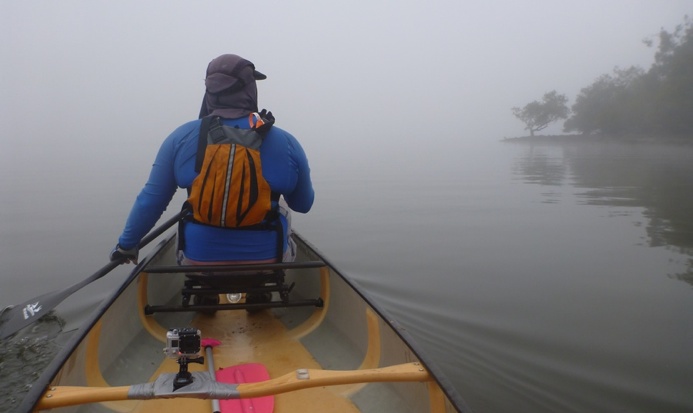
column 603, row 138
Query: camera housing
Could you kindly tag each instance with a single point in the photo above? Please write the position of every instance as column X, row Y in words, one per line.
column 183, row 342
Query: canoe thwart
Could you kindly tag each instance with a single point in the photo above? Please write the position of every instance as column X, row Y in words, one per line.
column 232, row 268
column 204, row 386
column 151, row 309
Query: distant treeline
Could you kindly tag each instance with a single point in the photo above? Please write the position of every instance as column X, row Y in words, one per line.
column 635, row 101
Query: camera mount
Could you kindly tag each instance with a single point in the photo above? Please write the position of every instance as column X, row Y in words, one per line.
column 184, row 377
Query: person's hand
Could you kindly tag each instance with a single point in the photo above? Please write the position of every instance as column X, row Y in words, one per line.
column 267, row 120
column 129, row 256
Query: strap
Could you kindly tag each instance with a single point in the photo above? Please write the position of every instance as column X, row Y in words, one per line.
column 209, row 128
column 185, row 215
column 202, row 143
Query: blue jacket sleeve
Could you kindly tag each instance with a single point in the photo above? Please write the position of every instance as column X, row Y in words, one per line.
column 302, row 197
column 153, row 199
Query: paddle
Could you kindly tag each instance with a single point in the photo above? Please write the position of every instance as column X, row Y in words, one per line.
column 205, row 387
column 19, row 316
column 209, row 344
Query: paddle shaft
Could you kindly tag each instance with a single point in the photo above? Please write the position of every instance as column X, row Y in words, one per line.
column 62, row 396
column 216, row 408
column 31, row 310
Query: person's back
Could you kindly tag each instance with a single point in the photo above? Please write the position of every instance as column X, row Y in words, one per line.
column 231, row 94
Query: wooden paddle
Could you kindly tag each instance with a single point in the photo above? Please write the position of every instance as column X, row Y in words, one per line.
column 20, row 316
column 61, row 396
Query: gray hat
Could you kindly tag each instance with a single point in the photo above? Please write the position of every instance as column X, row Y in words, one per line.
column 230, row 72
column 231, row 91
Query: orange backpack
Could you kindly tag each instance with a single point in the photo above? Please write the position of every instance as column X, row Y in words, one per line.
column 230, row 190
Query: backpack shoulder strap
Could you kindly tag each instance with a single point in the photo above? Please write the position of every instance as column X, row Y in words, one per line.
column 207, row 123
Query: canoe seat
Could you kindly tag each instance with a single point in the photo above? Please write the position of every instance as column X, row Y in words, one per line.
column 258, row 287
column 262, row 285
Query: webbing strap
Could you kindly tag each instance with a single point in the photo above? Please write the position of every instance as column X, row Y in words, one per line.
column 202, row 142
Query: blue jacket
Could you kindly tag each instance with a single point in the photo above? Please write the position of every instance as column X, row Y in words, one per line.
column 284, row 166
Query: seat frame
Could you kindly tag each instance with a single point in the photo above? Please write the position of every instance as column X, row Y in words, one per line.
column 249, row 279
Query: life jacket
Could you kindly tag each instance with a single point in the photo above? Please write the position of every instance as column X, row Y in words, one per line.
column 230, row 191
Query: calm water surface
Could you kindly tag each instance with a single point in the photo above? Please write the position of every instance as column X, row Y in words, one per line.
column 540, row 277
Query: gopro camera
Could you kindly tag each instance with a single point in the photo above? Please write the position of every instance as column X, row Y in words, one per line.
column 182, row 342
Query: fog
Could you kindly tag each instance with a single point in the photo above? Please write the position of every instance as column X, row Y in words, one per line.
column 371, row 88
column 351, row 80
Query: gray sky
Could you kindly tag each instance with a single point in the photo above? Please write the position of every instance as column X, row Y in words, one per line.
column 119, row 76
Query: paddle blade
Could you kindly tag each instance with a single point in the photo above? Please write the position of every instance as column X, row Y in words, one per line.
column 22, row 315
column 245, row 373
column 17, row 317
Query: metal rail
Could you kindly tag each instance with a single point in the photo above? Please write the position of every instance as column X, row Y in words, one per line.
column 233, row 268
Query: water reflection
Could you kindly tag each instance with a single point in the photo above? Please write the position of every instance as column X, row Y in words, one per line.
column 654, row 181
column 24, row 356
column 541, row 167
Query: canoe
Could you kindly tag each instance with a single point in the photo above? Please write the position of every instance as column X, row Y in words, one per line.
column 302, row 338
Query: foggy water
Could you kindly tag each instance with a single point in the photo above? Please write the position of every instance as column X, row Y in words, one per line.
column 540, row 277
